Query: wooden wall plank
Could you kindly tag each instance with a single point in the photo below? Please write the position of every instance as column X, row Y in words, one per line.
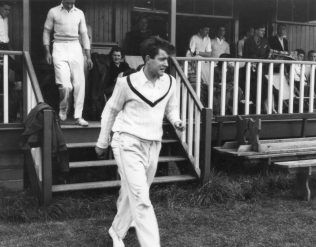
column 11, row 159
column 11, row 174
column 301, row 37
column 12, row 138
column 12, row 184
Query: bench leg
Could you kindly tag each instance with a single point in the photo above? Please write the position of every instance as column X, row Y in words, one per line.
column 302, row 180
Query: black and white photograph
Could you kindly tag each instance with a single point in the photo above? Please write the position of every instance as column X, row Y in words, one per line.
column 157, row 123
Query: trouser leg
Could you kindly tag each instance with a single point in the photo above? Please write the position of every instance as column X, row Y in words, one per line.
column 62, row 74
column 78, row 79
column 137, row 164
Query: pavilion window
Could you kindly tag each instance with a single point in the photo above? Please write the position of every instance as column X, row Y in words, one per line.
column 152, row 4
column 294, row 10
column 206, row 7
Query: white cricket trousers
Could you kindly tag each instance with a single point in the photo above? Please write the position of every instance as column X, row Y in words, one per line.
column 137, row 161
column 69, row 74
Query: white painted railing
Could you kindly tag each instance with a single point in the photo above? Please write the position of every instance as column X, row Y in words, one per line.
column 4, row 95
column 190, row 113
column 275, row 91
column 5, row 71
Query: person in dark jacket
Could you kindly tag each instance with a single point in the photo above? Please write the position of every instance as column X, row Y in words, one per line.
column 103, row 78
column 135, row 37
column 117, row 67
column 33, row 136
column 279, row 42
column 257, row 47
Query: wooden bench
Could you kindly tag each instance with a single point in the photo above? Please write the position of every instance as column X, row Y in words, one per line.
column 303, row 170
column 296, row 155
column 248, row 145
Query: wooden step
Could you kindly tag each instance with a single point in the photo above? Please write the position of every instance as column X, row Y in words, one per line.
column 102, row 163
column 116, row 183
column 92, row 144
column 70, row 124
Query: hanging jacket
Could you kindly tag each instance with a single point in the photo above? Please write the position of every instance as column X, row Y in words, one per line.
column 33, row 136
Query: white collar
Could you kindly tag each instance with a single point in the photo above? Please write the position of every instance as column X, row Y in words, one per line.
column 72, row 9
column 142, row 78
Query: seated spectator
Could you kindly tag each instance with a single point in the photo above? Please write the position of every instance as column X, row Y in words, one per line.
column 103, row 77
column 311, row 56
column 116, row 69
column 219, row 45
column 229, row 86
column 241, row 43
column 300, row 56
column 135, row 37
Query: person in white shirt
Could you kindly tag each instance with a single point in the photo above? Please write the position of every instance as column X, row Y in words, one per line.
column 311, row 56
column 200, row 43
column 68, row 23
column 5, row 9
column 135, row 114
column 300, row 56
column 200, row 46
column 219, row 45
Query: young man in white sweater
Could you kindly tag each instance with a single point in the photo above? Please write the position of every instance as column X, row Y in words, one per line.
column 69, row 25
column 135, row 114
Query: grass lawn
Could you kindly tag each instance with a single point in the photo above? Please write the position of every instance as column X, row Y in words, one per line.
column 243, row 211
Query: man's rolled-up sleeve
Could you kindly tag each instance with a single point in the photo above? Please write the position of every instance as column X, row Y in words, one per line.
column 172, row 108
column 48, row 27
column 83, row 30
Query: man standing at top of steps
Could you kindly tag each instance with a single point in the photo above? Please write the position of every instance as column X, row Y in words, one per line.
column 135, row 111
column 68, row 23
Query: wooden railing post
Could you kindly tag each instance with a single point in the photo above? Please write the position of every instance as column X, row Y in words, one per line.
column 206, row 141
column 47, row 158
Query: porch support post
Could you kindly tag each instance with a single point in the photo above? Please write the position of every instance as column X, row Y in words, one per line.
column 206, row 142
column 236, row 23
column 26, row 47
column 173, row 19
column 26, row 25
column 47, row 158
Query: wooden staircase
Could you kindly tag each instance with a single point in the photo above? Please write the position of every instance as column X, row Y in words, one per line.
column 184, row 156
column 86, row 169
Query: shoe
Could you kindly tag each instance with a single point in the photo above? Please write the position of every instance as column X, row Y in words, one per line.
column 63, row 115
column 81, row 122
column 117, row 241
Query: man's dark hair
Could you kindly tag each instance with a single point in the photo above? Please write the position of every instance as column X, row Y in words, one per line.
column 311, row 52
column 281, row 25
column 300, row 51
column 220, row 26
column 2, row 3
column 152, row 45
column 258, row 26
column 117, row 49
column 224, row 55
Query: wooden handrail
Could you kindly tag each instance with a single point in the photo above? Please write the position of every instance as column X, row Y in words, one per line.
column 187, row 84
column 9, row 52
column 34, row 81
column 245, row 60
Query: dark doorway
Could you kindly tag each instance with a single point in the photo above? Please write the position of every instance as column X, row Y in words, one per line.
column 252, row 12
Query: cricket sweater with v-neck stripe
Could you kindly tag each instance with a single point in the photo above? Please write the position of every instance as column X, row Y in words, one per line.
column 137, row 107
